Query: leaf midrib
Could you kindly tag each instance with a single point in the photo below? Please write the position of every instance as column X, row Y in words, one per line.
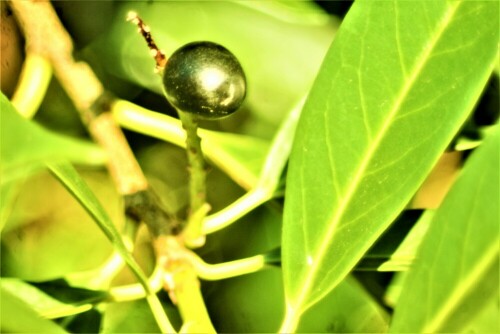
column 320, row 254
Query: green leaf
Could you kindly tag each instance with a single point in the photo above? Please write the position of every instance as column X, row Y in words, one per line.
column 396, row 85
column 69, row 177
column 299, row 12
column 26, row 146
column 7, row 195
column 458, row 261
column 45, row 236
column 239, row 156
column 487, row 320
column 133, row 317
column 45, row 305
column 257, row 306
column 18, row 317
column 404, row 256
column 279, row 152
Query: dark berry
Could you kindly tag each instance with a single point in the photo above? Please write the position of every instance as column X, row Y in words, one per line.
column 205, row 79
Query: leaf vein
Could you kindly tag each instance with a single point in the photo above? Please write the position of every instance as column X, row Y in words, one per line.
column 351, row 190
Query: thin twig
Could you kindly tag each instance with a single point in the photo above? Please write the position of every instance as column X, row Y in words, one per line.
column 46, row 36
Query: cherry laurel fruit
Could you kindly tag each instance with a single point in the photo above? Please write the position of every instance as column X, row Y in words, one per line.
column 204, row 79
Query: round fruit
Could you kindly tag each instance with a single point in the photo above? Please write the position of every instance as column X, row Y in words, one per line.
column 205, row 79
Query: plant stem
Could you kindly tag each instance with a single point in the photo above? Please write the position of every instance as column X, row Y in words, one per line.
column 46, row 36
column 290, row 322
column 235, row 210
column 182, row 283
column 197, row 182
column 33, row 83
column 164, row 127
column 224, row 270
column 136, row 290
column 191, row 304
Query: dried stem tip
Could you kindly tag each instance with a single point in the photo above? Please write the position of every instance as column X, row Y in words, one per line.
column 157, row 54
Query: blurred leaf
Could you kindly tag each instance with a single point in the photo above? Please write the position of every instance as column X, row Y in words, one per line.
column 349, row 308
column 26, row 146
column 464, row 143
column 394, row 250
column 62, row 291
column 44, row 304
column 257, row 306
column 240, row 157
column 128, row 317
column 280, row 58
column 18, row 317
column 49, row 235
column 298, row 12
column 458, row 261
column 256, row 233
column 390, row 96
column 279, row 152
column 8, row 191
column 404, row 256
column 133, row 317
column 86, row 322
column 487, row 321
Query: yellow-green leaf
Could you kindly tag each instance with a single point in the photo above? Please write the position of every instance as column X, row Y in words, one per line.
column 397, row 83
column 456, row 271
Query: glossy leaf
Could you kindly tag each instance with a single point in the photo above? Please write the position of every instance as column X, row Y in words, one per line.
column 26, row 146
column 396, row 85
column 458, row 262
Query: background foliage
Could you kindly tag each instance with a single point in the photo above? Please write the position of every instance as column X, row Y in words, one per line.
column 402, row 83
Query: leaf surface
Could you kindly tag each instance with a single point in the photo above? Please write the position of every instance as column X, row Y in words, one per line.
column 26, row 146
column 77, row 187
column 44, row 304
column 396, row 85
column 457, row 268
column 19, row 317
column 257, row 301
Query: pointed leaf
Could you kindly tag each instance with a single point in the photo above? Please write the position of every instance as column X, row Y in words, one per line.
column 44, row 304
column 69, row 177
column 396, row 85
column 19, row 317
column 458, row 262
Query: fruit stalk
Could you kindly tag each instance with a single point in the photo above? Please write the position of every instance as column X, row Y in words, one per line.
column 197, row 182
